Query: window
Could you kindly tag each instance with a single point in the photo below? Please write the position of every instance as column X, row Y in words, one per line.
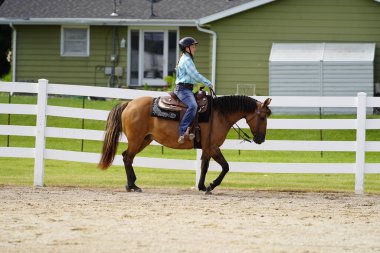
column 172, row 51
column 152, row 56
column 75, row 41
column 134, row 62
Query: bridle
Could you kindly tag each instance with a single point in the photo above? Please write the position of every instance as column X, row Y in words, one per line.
column 245, row 136
column 237, row 129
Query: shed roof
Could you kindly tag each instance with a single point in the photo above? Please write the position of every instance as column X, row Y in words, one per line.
column 312, row 52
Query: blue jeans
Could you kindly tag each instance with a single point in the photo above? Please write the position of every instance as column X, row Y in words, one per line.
column 187, row 97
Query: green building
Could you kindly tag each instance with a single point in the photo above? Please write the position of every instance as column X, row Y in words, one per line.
column 134, row 43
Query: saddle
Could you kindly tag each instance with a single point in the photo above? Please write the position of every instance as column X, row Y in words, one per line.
column 174, row 106
column 172, row 102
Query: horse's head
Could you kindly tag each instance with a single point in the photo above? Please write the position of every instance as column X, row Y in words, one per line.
column 257, row 121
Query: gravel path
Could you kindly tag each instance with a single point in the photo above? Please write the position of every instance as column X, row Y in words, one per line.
column 175, row 220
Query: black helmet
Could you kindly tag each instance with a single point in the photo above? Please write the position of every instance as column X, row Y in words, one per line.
column 186, row 42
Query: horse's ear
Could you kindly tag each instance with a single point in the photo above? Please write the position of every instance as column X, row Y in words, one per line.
column 267, row 102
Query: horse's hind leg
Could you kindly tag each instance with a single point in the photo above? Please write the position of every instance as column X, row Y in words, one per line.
column 131, row 176
column 128, row 157
column 219, row 158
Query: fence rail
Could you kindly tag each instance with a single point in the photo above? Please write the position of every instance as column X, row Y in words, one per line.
column 41, row 131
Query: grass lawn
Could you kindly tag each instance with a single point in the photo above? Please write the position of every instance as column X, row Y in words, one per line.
column 16, row 171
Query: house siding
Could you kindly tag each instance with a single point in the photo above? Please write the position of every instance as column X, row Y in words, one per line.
column 245, row 39
column 38, row 56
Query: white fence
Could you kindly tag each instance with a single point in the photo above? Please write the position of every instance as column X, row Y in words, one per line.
column 41, row 131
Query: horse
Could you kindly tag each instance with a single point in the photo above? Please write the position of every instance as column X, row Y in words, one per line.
column 135, row 120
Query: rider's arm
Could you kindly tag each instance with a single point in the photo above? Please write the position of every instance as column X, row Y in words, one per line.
column 192, row 71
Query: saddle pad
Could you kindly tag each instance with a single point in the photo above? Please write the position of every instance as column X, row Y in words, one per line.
column 164, row 114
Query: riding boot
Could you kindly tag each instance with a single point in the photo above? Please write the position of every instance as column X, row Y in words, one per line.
column 191, row 135
column 181, row 139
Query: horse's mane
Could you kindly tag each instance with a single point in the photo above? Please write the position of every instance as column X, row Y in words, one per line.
column 231, row 104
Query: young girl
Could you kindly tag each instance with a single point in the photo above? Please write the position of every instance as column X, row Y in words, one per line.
column 187, row 75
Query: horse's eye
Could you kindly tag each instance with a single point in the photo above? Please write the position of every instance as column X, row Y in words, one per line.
column 262, row 115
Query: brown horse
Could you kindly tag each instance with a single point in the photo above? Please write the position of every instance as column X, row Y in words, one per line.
column 135, row 120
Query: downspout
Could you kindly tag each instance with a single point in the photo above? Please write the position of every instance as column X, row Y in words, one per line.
column 14, row 39
column 213, row 69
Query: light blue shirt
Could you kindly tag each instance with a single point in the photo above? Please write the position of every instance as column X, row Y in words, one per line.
column 188, row 73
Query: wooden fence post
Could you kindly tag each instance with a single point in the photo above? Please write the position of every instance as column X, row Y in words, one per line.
column 39, row 153
column 360, row 142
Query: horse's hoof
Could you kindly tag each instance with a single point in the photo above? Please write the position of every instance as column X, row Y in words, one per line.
column 203, row 188
column 133, row 189
column 208, row 192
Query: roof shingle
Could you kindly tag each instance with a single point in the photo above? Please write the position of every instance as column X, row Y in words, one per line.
column 128, row 9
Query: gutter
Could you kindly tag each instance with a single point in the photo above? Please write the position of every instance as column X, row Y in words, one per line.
column 214, row 37
column 14, row 47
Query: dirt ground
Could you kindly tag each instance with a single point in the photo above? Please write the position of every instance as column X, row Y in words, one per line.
column 175, row 220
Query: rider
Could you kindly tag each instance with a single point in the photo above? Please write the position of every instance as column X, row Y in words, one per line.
column 187, row 75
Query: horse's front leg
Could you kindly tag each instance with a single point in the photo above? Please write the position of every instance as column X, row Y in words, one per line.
column 219, row 158
column 204, row 169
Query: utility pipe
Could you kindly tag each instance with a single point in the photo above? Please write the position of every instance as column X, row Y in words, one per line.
column 14, row 39
column 214, row 37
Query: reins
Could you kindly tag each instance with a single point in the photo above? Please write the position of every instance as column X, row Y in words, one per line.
column 245, row 136
column 213, row 96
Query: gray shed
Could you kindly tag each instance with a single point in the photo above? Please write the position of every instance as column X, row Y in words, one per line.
column 321, row 69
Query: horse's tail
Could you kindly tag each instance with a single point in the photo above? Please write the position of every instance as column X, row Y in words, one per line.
column 112, row 135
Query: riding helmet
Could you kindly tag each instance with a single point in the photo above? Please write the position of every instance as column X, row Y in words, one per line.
column 186, row 42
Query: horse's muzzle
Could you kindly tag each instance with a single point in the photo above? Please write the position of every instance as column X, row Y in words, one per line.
column 259, row 138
